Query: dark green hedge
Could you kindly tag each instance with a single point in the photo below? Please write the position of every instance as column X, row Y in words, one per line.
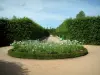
column 52, row 31
column 87, row 29
column 20, row 29
column 3, row 39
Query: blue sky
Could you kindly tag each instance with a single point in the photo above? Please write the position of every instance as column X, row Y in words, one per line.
column 48, row 13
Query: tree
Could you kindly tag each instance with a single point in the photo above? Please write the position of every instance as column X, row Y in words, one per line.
column 81, row 14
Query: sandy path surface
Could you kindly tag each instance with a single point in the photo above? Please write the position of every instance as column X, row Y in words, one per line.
column 86, row 65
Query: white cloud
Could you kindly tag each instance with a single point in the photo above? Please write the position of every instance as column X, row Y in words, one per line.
column 46, row 10
column 31, row 8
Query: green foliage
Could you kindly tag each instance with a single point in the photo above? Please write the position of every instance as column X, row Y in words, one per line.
column 63, row 27
column 81, row 14
column 62, row 30
column 85, row 29
column 21, row 29
column 52, row 31
column 3, row 39
column 81, row 28
column 47, row 50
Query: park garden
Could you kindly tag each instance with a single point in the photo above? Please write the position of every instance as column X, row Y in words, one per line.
column 28, row 38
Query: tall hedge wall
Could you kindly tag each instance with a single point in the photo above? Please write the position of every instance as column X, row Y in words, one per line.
column 87, row 29
column 62, row 30
column 3, row 39
column 20, row 29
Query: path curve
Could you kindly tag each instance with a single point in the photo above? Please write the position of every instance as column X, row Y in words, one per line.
column 85, row 65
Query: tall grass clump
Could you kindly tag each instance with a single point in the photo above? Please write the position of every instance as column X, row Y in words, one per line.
column 47, row 50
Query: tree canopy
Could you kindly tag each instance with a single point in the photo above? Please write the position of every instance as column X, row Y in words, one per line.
column 81, row 14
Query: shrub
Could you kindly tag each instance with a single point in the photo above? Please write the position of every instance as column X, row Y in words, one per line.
column 62, row 30
column 24, row 29
column 52, row 31
column 20, row 29
column 86, row 29
column 3, row 32
column 45, row 50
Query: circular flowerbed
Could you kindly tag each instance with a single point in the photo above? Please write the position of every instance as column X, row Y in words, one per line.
column 47, row 50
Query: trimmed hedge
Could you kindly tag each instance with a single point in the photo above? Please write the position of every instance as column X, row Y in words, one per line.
column 62, row 30
column 26, row 55
column 20, row 29
column 85, row 29
column 52, row 31
column 3, row 32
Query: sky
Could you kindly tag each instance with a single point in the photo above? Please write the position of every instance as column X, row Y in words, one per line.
column 48, row 13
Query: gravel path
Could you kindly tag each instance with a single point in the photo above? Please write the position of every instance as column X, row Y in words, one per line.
column 86, row 65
